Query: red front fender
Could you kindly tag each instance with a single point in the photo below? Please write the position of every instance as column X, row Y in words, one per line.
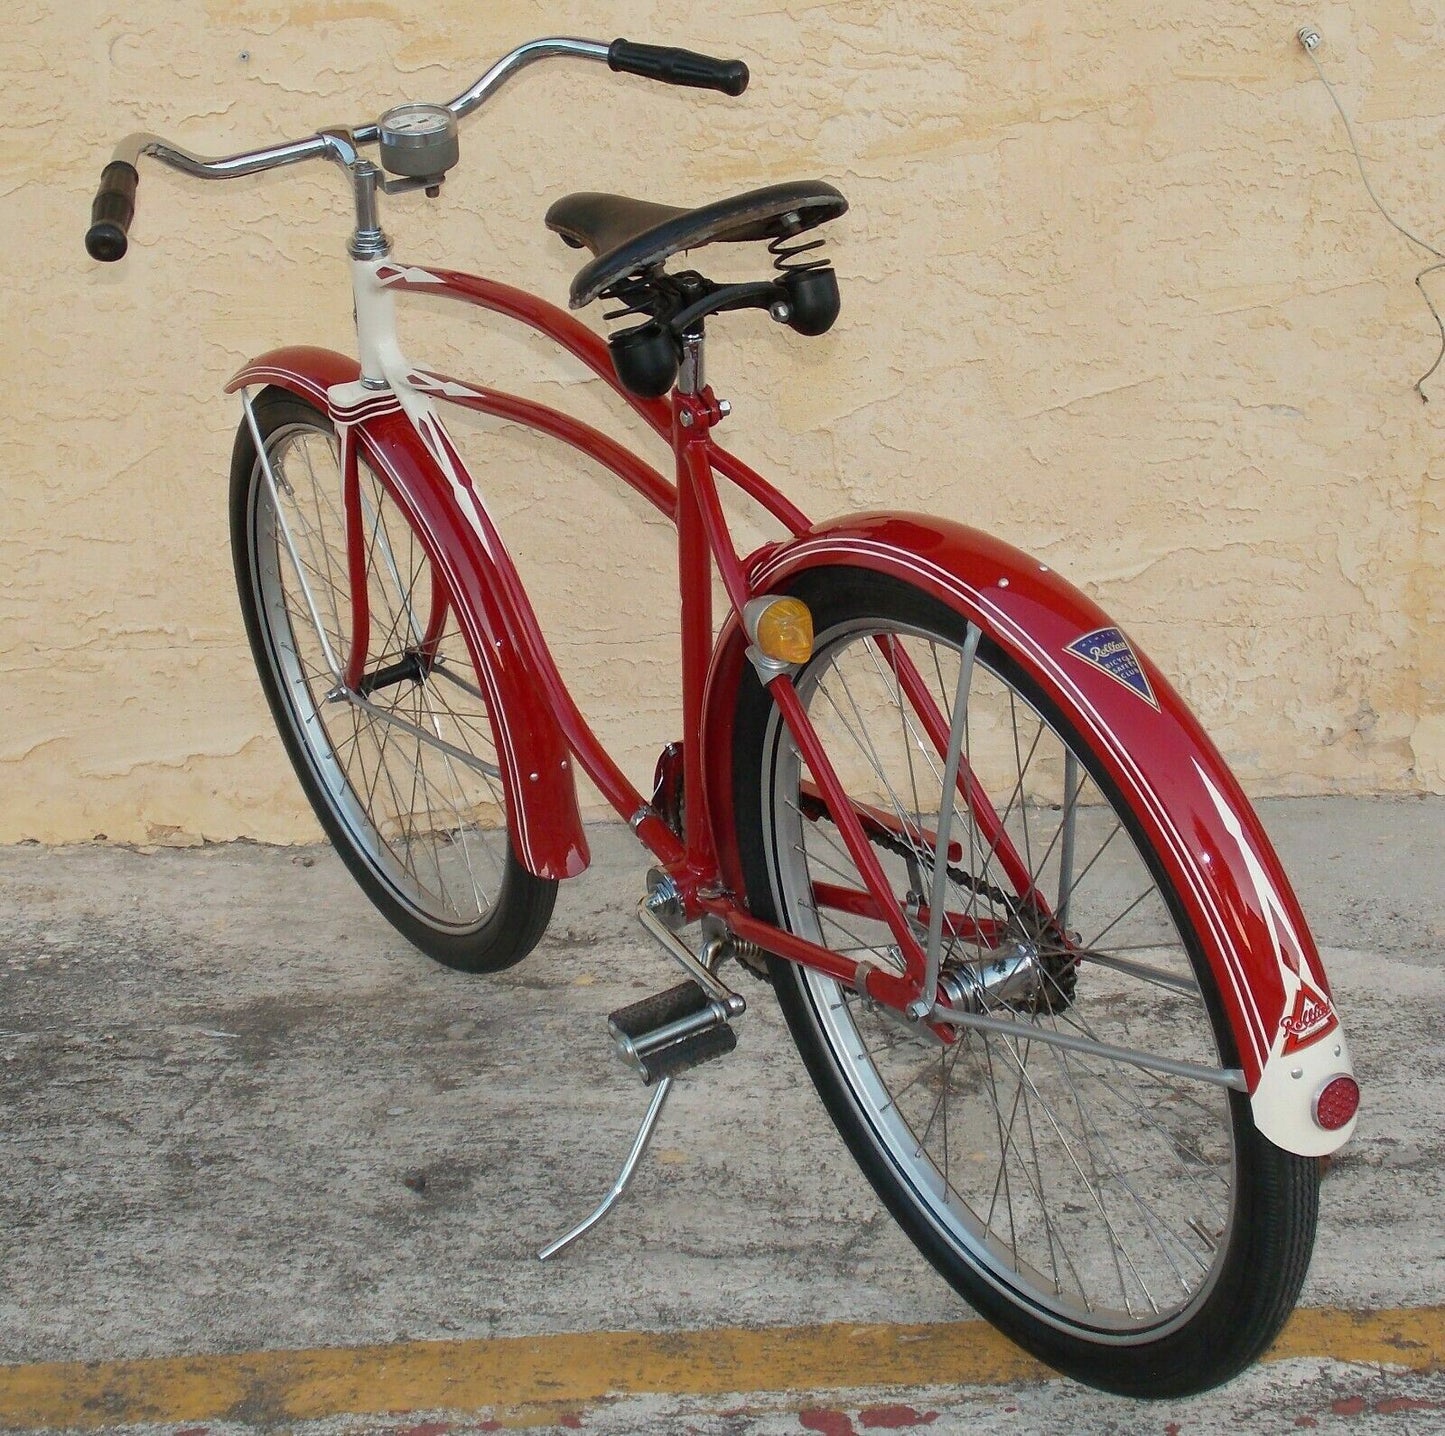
column 453, row 526
column 1190, row 806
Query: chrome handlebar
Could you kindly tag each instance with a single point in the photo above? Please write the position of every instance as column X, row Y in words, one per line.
column 114, row 205
column 132, row 147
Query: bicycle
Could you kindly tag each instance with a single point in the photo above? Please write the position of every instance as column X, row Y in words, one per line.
column 1035, row 949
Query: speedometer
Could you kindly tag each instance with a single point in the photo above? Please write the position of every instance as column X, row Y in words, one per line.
column 418, row 141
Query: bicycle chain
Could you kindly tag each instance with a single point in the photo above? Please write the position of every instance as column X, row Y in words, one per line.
column 884, row 839
column 1060, row 966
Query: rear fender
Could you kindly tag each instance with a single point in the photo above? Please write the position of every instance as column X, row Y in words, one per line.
column 450, row 519
column 1276, row 997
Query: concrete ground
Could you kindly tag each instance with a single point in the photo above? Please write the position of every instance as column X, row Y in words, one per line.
column 246, row 1129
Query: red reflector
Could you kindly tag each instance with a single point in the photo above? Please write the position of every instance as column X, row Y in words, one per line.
column 1336, row 1102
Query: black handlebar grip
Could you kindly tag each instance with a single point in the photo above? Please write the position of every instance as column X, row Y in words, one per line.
column 678, row 67
column 112, row 212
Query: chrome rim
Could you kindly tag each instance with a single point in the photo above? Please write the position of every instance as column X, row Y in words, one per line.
column 1098, row 1193
column 409, row 770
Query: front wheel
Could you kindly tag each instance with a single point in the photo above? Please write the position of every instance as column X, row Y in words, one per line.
column 1125, row 1223
column 402, row 770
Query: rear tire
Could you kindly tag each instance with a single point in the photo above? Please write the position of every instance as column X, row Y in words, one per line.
column 422, row 827
column 1130, row 1228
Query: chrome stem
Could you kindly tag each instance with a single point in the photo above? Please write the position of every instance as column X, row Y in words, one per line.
column 692, row 372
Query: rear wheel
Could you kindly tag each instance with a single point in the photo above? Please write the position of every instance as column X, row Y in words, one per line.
column 402, row 771
column 1124, row 1222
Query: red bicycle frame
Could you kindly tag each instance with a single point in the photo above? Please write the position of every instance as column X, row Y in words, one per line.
column 1219, row 860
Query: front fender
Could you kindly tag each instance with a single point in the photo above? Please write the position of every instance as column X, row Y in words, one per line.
column 546, row 826
column 1233, row 888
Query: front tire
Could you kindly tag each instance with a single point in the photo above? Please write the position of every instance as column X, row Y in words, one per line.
column 1129, row 1227
column 403, row 776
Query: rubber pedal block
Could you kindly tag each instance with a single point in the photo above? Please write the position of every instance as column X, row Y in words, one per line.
column 651, row 1013
column 680, row 1057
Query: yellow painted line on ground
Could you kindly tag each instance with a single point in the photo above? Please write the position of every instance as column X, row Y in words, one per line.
column 471, row 1376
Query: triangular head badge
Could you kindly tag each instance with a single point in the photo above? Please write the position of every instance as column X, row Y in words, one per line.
column 1109, row 651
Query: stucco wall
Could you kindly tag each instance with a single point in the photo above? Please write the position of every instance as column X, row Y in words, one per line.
column 1112, row 288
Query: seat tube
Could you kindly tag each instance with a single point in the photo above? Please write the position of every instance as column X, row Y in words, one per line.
column 694, row 570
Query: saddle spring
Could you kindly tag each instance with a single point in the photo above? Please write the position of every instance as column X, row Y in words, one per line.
column 809, row 281
column 787, row 250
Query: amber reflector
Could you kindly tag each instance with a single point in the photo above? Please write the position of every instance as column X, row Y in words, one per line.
column 785, row 631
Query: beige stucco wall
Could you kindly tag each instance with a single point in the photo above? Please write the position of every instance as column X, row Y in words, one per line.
column 1112, row 289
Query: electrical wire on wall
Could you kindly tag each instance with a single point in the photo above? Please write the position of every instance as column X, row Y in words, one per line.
column 1309, row 38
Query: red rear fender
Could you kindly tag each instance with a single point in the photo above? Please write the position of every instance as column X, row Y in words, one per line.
column 1189, row 805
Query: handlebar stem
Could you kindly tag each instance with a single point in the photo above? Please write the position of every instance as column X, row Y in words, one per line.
column 368, row 241
column 339, row 143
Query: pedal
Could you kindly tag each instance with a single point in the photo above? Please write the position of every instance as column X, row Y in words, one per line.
column 673, row 1031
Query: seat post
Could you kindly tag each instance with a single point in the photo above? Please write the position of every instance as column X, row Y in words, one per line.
column 691, row 376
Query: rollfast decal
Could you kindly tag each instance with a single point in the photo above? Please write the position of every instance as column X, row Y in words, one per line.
column 1110, row 652
column 1312, row 1016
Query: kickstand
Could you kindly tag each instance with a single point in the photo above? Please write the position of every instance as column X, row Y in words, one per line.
column 629, row 1167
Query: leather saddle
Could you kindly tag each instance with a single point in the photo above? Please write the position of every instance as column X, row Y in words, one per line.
column 631, row 236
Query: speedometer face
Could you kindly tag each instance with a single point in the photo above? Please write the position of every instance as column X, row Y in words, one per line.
column 417, row 120
column 418, row 141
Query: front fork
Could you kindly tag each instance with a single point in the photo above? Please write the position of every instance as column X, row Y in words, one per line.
column 355, row 560
column 368, row 553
